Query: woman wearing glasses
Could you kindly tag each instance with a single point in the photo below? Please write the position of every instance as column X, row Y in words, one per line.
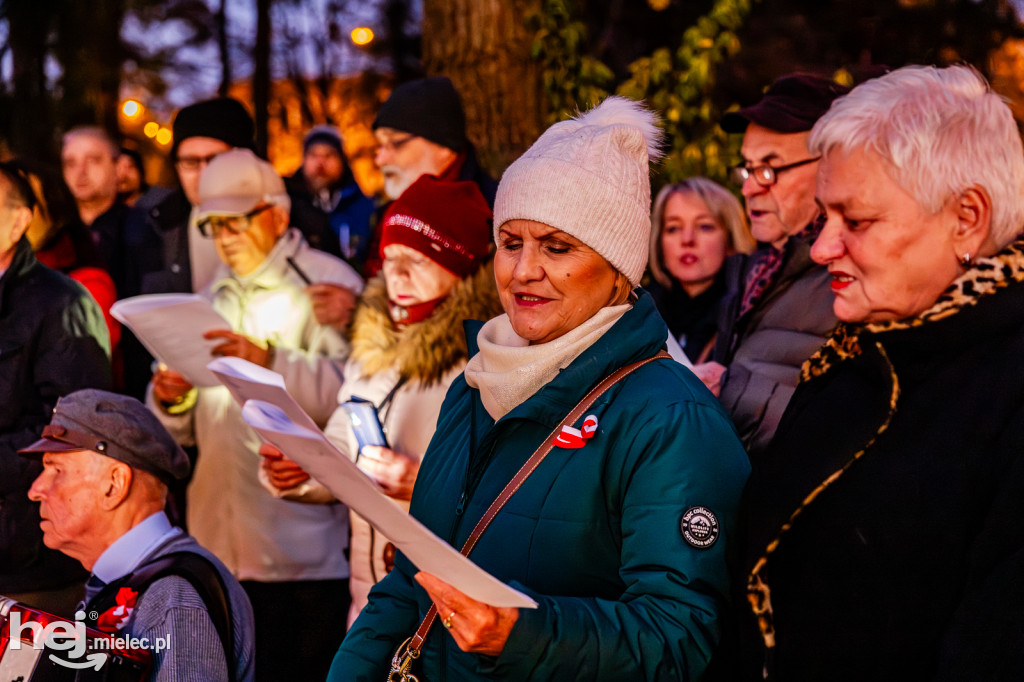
column 697, row 224
column 408, row 346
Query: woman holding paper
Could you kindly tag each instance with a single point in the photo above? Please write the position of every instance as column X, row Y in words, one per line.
column 620, row 534
column 408, row 346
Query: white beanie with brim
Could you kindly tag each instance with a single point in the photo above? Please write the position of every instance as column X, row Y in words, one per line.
column 590, row 177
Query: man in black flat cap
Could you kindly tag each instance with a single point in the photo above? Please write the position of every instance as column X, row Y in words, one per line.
column 778, row 305
column 107, row 464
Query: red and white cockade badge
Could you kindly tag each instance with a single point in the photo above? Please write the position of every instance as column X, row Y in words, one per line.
column 116, row 617
column 572, row 438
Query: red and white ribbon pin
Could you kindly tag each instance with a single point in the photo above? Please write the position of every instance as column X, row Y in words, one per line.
column 572, row 438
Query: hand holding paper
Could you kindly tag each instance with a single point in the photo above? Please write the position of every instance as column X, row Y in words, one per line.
column 171, row 327
column 311, row 450
column 283, row 424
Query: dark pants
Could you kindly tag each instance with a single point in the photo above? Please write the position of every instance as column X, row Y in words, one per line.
column 299, row 627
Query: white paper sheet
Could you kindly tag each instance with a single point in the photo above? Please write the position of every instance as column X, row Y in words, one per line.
column 301, row 441
column 249, row 381
column 314, row 453
column 171, row 327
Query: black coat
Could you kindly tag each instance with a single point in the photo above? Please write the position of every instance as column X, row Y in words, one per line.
column 117, row 233
column 693, row 322
column 53, row 341
column 161, row 255
column 903, row 449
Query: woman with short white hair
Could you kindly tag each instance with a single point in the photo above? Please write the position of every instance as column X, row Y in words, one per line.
column 886, row 520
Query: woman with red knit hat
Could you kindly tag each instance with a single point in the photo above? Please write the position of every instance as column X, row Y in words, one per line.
column 408, row 345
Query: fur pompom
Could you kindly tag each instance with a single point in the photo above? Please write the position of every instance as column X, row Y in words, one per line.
column 617, row 110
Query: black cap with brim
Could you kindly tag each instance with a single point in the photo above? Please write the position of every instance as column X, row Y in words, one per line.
column 793, row 104
column 116, row 426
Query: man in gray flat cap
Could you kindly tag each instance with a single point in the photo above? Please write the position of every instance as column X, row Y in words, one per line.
column 107, row 463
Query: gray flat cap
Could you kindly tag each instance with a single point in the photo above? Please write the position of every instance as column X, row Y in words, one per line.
column 114, row 425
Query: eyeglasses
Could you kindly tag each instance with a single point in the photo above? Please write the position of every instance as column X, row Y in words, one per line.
column 211, row 226
column 393, row 145
column 766, row 176
column 193, row 162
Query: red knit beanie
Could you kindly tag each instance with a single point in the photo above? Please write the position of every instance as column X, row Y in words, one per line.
column 448, row 222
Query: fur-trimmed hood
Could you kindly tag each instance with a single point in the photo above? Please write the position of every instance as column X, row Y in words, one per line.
column 424, row 350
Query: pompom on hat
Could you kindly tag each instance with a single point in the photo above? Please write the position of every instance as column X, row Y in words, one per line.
column 590, row 177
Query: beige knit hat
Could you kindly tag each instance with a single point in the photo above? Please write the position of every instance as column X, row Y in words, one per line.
column 590, row 177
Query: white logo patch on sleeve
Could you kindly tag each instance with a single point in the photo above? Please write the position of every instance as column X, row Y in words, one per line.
column 699, row 526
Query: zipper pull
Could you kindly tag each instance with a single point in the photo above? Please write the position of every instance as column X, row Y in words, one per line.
column 462, row 504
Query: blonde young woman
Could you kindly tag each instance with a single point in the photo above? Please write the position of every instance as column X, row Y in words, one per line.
column 697, row 224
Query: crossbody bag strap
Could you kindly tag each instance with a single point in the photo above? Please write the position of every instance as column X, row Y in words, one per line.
column 416, row 642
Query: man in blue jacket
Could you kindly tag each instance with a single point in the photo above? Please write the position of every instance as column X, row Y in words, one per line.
column 327, row 204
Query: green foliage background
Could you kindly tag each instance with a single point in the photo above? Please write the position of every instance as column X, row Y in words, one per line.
column 677, row 83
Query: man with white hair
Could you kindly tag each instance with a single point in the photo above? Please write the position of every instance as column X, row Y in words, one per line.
column 289, row 557
column 106, row 467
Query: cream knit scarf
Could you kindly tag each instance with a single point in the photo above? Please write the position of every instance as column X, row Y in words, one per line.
column 508, row 370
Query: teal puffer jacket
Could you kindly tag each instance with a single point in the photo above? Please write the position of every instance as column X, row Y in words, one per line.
column 594, row 535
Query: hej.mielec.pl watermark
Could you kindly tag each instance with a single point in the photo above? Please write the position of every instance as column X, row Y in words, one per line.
column 72, row 638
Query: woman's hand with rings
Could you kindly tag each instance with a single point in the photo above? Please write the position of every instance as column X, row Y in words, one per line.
column 476, row 627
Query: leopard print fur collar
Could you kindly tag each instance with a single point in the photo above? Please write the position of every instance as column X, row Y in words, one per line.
column 984, row 278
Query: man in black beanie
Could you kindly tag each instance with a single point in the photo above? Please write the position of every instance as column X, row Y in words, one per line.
column 186, row 261
column 421, row 130
column 172, row 257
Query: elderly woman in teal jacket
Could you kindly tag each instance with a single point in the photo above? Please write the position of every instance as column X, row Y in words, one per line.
column 621, row 536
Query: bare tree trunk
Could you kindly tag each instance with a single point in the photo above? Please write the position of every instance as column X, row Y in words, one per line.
column 32, row 120
column 222, row 46
column 91, row 53
column 261, row 74
column 484, row 48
